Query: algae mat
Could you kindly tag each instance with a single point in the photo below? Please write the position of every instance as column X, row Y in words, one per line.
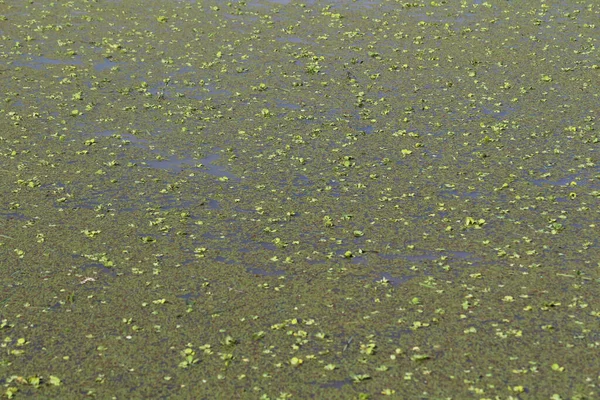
column 272, row 200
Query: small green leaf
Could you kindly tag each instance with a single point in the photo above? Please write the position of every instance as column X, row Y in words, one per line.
column 54, row 380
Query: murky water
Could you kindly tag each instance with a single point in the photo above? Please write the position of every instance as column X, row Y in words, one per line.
column 283, row 199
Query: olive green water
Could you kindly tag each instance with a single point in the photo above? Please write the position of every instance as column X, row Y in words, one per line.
column 272, row 200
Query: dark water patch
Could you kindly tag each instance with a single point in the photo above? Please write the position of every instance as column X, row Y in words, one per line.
column 173, row 202
column 176, row 163
column 189, row 298
column 336, row 384
column 105, row 64
column 400, row 333
column 457, row 194
column 293, row 39
column 124, row 137
column 173, row 163
column 359, row 260
column 498, row 113
column 213, row 236
column 433, row 255
column 342, row 114
column 555, row 182
column 17, row 103
column 303, row 181
column 174, row 90
column 264, row 3
column 283, row 104
column 244, row 210
column 211, row 168
column 364, row 129
column 13, row 216
column 98, row 267
column 41, row 62
column 413, row 258
column 212, row 91
column 266, row 245
column 265, row 272
column 213, row 204
column 226, row 260
column 317, row 262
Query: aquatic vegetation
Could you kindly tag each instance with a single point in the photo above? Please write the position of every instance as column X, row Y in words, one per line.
column 277, row 199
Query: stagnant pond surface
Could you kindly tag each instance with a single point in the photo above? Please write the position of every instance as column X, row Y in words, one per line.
column 275, row 199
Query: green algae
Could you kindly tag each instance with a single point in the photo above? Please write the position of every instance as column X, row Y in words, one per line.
column 286, row 200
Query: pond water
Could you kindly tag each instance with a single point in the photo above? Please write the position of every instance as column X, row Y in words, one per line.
column 299, row 199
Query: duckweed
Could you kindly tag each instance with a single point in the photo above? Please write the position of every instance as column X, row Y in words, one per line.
column 277, row 199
